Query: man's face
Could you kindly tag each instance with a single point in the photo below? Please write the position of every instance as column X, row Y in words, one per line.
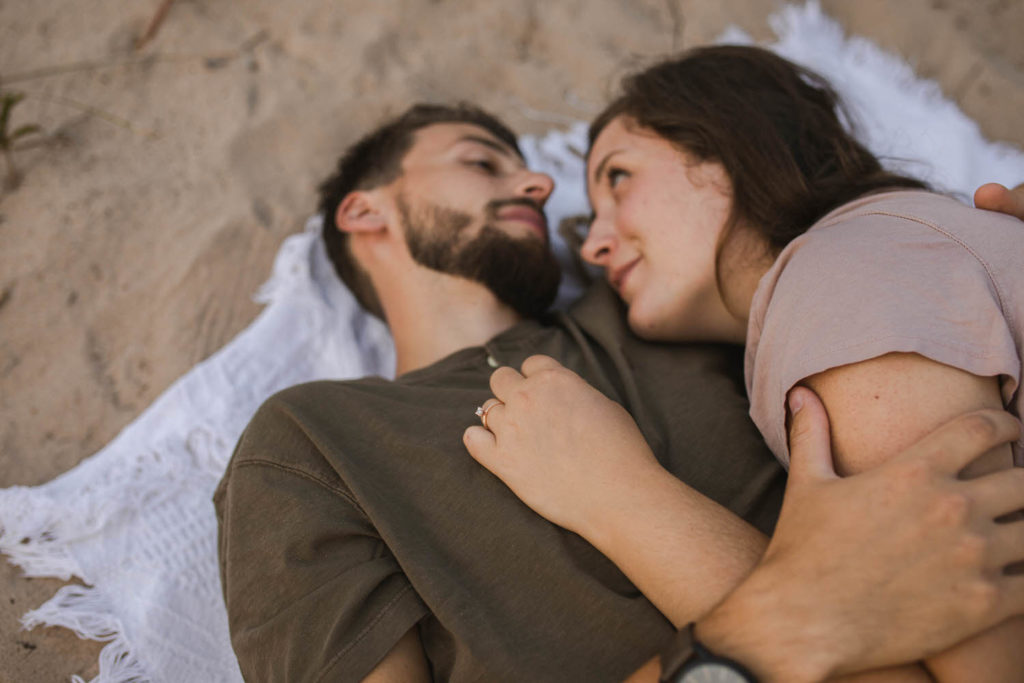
column 472, row 209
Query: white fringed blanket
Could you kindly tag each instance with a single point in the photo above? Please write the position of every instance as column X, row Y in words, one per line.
column 135, row 521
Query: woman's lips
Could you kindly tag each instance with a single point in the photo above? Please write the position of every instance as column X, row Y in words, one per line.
column 617, row 277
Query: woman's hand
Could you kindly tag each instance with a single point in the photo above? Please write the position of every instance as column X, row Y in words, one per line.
column 564, row 448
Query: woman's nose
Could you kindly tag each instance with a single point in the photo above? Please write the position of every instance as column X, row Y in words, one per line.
column 600, row 243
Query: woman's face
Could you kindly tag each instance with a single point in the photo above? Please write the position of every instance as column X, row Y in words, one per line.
column 658, row 218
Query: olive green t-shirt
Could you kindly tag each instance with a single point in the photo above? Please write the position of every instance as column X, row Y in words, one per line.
column 351, row 512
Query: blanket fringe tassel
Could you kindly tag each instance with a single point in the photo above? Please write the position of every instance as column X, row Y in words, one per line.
column 86, row 611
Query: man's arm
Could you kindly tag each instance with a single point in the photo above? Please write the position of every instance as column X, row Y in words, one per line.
column 405, row 663
column 879, row 407
column 687, row 567
column 849, row 578
column 312, row 591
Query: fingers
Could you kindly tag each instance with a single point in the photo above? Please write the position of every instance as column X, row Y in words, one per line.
column 810, row 447
column 491, row 411
column 1007, row 544
column 996, row 197
column 955, row 444
column 535, row 364
column 1012, row 593
column 504, row 380
column 480, row 444
column 990, row 196
column 489, row 405
column 998, row 493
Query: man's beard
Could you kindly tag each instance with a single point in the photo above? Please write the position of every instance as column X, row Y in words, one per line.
column 520, row 271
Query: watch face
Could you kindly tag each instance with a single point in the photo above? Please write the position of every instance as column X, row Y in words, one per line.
column 712, row 672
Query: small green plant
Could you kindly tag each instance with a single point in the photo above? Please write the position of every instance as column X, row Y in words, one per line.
column 8, row 137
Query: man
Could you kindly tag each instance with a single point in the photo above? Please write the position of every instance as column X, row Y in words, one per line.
column 359, row 540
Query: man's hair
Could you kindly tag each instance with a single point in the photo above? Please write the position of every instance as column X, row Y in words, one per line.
column 776, row 128
column 376, row 160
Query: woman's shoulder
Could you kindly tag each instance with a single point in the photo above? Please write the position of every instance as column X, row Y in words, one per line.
column 899, row 202
column 869, row 237
column 886, row 263
column 909, row 218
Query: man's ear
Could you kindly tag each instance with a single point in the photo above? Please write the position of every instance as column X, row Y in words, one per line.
column 358, row 212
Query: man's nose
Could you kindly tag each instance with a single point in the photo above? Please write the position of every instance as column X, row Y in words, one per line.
column 600, row 243
column 536, row 186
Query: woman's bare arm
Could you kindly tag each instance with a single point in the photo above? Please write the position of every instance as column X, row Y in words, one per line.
column 578, row 459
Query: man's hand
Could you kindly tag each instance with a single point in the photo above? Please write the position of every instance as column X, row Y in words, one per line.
column 996, row 197
column 883, row 567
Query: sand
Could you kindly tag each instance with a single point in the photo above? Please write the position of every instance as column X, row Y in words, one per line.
column 165, row 177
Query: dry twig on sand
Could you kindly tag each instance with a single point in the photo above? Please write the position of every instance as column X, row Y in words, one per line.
column 8, row 101
column 154, row 24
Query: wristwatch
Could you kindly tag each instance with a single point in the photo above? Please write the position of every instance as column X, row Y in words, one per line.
column 684, row 660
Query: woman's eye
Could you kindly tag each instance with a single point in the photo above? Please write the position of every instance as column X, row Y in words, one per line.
column 615, row 176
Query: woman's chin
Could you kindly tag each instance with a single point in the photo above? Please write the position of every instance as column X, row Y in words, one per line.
column 655, row 328
column 680, row 328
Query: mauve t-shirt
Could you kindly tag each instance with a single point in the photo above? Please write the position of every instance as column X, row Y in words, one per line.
column 907, row 271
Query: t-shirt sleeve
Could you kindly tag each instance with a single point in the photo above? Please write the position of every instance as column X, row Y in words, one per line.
column 871, row 285
column 312, row 591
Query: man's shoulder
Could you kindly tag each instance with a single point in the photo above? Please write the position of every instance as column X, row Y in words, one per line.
column 288, row 428
column 310, row 395
column 343, row 422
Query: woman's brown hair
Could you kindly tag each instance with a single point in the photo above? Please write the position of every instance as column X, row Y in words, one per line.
column 776, row 127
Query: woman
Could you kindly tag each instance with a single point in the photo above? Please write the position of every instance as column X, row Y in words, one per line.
column 731, row 205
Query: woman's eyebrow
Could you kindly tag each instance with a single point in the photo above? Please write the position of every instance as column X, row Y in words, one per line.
column 604, row 162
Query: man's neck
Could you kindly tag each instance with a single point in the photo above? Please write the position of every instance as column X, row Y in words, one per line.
column 436, row 315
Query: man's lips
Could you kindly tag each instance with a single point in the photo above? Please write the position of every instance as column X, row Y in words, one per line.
column 617, row 276
column 525, row 214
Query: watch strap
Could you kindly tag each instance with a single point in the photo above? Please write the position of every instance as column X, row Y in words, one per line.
column 683, row 650
column 677, row 653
